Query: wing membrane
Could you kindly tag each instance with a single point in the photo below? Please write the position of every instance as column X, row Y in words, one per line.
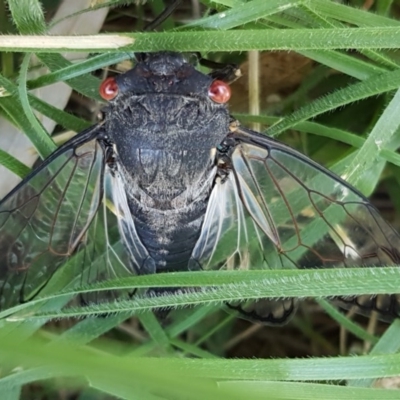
column 58, row 216
column 232, row 239
column 297, row 215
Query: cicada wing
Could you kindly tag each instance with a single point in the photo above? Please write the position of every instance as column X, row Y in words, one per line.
column 230, row 239
column 116, row 250
column 51, row 219
column 102, row 254
column 301, row 216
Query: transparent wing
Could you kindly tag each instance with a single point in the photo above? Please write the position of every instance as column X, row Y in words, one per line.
column 58, row 216
column 112, row 247
column 278, row 209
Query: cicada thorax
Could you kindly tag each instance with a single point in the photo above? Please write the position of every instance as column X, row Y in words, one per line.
column 165, row 129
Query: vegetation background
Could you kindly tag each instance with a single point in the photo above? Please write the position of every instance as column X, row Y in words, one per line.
column 323, row 77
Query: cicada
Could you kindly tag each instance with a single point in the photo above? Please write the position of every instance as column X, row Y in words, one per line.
column 180, row 185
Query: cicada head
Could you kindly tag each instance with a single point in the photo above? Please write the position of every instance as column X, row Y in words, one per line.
column 165, row 104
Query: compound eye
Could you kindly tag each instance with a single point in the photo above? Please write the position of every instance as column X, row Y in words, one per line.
column 108, row 89
column 219, row 92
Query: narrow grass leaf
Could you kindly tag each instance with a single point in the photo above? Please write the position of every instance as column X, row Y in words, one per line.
column 379, row 138
column 37, row 134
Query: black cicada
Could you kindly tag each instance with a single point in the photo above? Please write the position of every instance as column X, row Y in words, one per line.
column 184, row 187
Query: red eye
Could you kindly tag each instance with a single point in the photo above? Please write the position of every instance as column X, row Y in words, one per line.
column 108, row 89
column 219, row 92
